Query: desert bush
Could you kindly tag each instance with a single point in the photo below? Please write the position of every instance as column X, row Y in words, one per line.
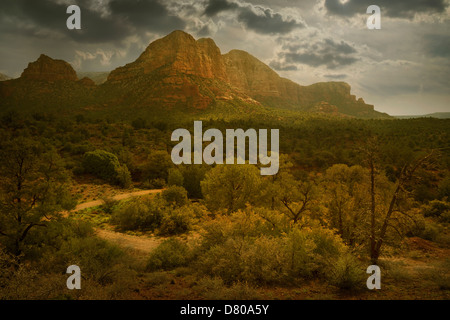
column 154, row 184
column 240, row 250
column 109, row 204
column 299, row 248
column 105, row 165
column 347, row 273
column 177, row 221
column 96, row 257
column 175, row 177
column 175, row 195
column 170, row 254
column 139, row 214
column 426, row 229
column 436, row 208
column 123, row 177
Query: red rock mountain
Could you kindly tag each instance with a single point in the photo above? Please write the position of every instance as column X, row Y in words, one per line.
column 180, row 72
column 48, row 69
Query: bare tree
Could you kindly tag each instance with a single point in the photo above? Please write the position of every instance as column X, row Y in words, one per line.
column 378, row 235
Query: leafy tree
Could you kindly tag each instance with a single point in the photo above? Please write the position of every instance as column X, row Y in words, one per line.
column 345, row 193
column 175, row 177
column 175, row 195
column 33, row 190
column 231, row 187
column 192, row 176
column 157, row 165
column 105, row 165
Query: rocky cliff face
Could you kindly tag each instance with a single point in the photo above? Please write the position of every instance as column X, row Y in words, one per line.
column 261, row 83
column 179, row 71
column 178, row 53
column 174, row 70
column 48, row 69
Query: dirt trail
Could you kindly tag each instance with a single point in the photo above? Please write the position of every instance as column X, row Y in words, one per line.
column 143, row 244
column 140, row 243
column 95, row 203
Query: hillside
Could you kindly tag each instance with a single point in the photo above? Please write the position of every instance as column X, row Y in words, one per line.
column 178, row 74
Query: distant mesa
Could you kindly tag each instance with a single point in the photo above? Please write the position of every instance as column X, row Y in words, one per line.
column 178, row 71
column 48, row 69
column 87, row 82
column 97, row 77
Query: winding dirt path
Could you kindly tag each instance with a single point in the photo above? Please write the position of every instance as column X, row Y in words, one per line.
column 122, row 196
column 143, row 244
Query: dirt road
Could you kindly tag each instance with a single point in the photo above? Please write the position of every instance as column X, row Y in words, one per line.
column 143, row 244
column 95, row 203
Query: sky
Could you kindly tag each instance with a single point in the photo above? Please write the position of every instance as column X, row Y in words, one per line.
column 402, row 68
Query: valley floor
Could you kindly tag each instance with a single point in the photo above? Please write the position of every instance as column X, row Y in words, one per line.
column 419, row 272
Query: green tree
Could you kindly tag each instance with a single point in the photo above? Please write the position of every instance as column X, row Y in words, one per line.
column 175, row 177
column 157, row 166
column 231, row 187
column 346, row 198
column 105, row 165
column 33, row 190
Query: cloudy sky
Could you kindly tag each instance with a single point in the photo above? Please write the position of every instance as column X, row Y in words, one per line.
column 404, row 68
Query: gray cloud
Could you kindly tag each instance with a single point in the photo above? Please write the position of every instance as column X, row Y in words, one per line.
column 256, row 18
column 126, row 18
column 397, row 9
column 277, row 65
column 267, row 21
column 149, row 15
column 316, row 53
column 213, row 7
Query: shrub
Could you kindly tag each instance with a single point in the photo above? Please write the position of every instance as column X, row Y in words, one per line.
column 436, row 208
column 170, row 254
column 106, row 166
column 299, row 248
column 177, row 221
column 139, row 214
column 109, row 204
column 175, row 178
column 240, row 250
column 347, row 273
column 123, row 177
column 175, row 195
column 96, row 257
column 426, row 229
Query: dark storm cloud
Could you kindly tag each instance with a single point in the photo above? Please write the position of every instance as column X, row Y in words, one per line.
column 127, row 18
column 267, row 21
column 204, row 31
column 396, row 9
column 213, row 7
column 256, row 18
column 149, row 15
column 326, row 52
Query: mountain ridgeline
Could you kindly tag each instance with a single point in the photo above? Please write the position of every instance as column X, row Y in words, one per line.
column 178, row 73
